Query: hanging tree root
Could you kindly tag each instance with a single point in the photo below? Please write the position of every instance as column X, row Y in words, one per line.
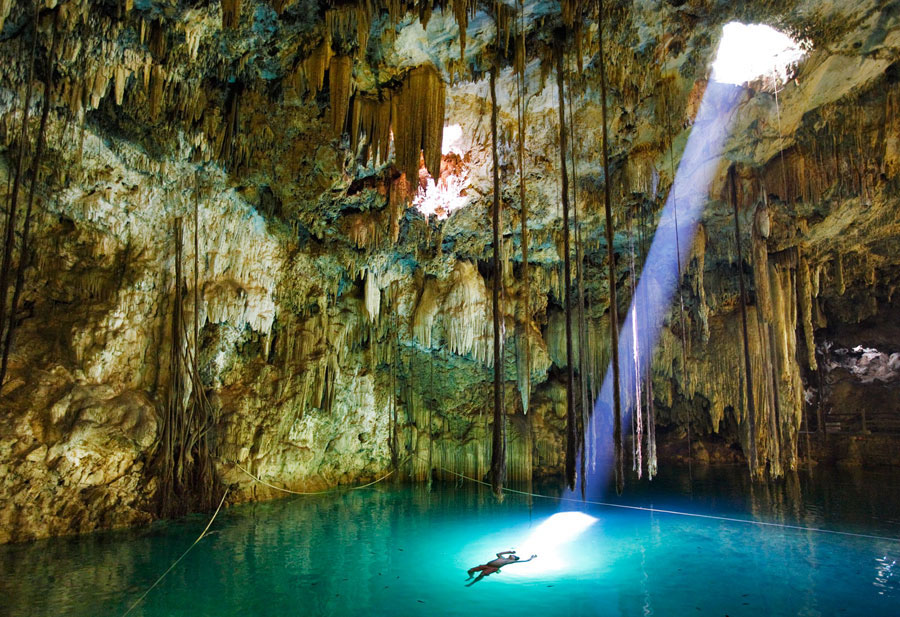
column 571, row 435
column 183, row 459
column 26, row 229
column 579, row 284
column 520, row 113
column 611, row 257
column 498, row 444
column 9, row 232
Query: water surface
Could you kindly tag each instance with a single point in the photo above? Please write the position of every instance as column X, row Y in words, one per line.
column 399, row 550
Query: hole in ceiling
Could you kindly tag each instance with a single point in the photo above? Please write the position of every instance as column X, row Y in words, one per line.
column 748, row 52
column 448, row 194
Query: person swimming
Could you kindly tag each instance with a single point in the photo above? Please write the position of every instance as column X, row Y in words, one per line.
column 495, row 564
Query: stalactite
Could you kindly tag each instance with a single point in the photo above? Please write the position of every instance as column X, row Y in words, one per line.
column 232, row 127
column 372, row 296
column 417, row 118
column 751, row 412
column 121, row 76
column 156, row 42
column 498, row 443
column 773, row 449
column 309, row 76
column 371, row 124
column 13, row 200
column 610, row 254
column 398, row 200
column 340, row 89
column 26, row 230
column 571, row 11
column 231, row 14
column 504, row 15
column 806, row 298
column 461, row 11
column 157, row 85
column 571, row 433
column 839, row 273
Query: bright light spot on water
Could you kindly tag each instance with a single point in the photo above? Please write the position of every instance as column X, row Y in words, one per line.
column 749, row 51
column 549, row 539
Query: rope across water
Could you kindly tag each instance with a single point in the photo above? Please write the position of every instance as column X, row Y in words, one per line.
column 326, row 491
column 729, row 519
column 604, row 504
column 208, row 525
column 176, row 562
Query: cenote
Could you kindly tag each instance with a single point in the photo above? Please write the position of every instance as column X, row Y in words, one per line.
column 395, row 550
column 449, row 307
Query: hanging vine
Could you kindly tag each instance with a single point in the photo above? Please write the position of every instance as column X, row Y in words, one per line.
column 183, row 458
column 523, row 204
column 684, row 366
column 571, row 434
column 12, row 211
column 26, row 228
column 611, row 258
column 579, row 284
column 498, row 444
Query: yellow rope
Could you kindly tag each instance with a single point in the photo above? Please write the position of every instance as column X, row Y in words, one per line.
column 208, row 525
column 326, row 491
column 200, row 537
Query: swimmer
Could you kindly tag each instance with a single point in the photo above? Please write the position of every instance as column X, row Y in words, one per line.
column 495, row 564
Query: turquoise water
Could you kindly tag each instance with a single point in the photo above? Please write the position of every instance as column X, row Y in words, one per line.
column 394, row 550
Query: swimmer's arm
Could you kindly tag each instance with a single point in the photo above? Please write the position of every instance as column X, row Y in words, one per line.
column 500, row 555
column 524, row 560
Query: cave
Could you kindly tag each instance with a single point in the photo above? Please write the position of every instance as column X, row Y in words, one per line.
column 332, row 307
